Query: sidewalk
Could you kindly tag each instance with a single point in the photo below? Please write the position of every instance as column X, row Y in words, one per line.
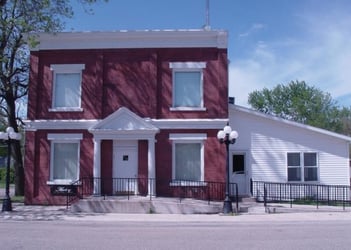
column 282, row 213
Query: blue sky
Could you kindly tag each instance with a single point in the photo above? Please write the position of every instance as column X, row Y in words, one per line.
column 270, row 41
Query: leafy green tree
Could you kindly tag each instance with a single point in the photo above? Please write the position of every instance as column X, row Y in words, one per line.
column 299, row 102
column 19, row 21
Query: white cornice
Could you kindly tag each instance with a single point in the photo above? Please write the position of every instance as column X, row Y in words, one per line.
column 133, row 39
column 59, row 124
column 158, row 123
column 189, row 123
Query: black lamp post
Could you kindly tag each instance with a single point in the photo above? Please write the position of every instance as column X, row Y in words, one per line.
column 8, row 137
column 227, row 136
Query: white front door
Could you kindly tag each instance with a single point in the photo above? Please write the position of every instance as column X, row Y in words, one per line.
column 125, row 167
column 238, row 171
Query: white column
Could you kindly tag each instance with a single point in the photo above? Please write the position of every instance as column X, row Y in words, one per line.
column 97, row 167
column 151, row 167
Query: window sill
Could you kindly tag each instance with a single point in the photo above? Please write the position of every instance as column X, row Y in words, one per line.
column 303, row 182
column 65, row 110
column 63, row 182
column 176, row 183
column 186, row 109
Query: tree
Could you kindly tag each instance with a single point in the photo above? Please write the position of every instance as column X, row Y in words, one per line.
column 19, row 21
column 299, row 102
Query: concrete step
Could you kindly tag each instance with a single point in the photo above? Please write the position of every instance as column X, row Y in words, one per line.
column 145, row 205
column 158, row 205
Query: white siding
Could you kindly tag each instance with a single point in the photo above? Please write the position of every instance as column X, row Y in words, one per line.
column 269, row 140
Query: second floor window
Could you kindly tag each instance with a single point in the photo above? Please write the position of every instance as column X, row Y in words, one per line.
column 67, row 80
column 187, row 85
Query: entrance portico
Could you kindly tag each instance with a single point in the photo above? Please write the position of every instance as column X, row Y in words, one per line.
column 124, row 125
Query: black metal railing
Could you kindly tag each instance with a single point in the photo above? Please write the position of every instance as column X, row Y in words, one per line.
column 180, row 189
column 301, row 193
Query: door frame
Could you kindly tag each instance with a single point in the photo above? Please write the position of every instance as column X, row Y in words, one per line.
column 244, row 184
column 120, row 146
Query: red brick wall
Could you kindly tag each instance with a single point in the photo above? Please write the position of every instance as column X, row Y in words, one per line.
column 138, row 79
column 213, row 153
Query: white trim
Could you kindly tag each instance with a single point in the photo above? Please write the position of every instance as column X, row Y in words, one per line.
column 190, row 123
column 65, row 109
column 186, row 137
column 59, row 124
column 63, row 182
column 187, row 109
column 202, row 158
column 302, row 166
column 187, row 65
column 189, row 138
column 58, row 141
column 32, row 125
column 64, row 69
column 133, row 39
column 67, row 68
column 65, row 137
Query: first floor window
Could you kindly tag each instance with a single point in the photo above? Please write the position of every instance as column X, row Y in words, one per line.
column 64, row 159
column 302, row 166
column 188, row 161
column 188, row 157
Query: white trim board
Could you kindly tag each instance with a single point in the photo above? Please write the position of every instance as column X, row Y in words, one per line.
column 133, row 39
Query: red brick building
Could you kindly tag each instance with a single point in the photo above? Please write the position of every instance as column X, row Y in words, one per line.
column 125, row 105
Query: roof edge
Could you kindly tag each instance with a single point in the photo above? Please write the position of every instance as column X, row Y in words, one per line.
column 292, row 123
column 132, row 39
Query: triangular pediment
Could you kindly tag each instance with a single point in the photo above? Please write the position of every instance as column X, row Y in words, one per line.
column 124, row 120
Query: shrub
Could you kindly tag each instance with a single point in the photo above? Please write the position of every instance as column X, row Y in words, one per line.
column 3, row 175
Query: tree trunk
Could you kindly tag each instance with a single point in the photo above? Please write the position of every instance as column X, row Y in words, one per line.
column 16, row 145
column 18, row 166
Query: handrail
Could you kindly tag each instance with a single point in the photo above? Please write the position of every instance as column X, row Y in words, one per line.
column 318, row 194
column 201, row 190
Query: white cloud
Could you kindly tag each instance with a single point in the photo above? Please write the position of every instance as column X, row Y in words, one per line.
column 255, row 27
column 320, row 55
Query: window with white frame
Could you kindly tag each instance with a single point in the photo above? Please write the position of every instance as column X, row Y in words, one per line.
column 187, row 82
column 67, row 81
column 188, row 157
column 64, row 158
column 302, row 166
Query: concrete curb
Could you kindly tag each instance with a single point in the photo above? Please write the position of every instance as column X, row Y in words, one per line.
column 60, row 213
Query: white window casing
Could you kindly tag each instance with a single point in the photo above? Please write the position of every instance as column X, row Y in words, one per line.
column 64, row 158
column 187, row 86
column 67, row 87
column 188, row 143
column 302, row 167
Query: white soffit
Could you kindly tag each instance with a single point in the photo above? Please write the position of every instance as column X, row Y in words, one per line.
column 133, row 39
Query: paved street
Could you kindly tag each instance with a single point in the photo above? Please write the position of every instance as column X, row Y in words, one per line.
column 323, row 230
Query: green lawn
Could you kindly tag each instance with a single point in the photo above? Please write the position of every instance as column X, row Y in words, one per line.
column 13, row 198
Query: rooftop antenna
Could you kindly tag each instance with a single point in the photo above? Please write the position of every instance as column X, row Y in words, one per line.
column 207, row 25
